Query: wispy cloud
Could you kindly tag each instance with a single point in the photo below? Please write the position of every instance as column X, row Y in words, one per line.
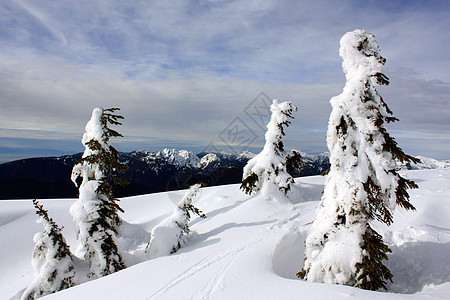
column 182, row 70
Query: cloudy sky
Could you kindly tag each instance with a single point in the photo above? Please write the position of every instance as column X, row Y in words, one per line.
column 198, row 74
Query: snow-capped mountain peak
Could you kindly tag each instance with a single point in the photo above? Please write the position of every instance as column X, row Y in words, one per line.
column 179, row 158
column 246, row 154
column 425, row 163
column 208, row 159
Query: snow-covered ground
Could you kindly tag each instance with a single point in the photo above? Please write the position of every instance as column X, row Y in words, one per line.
column 247, row 248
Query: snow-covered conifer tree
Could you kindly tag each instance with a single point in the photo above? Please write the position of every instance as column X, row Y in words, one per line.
column 268, row 171
column 52, row 260
column 96, row 212
column 362, row 184
column 170, row 235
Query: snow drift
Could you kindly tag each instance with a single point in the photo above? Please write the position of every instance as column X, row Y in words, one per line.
column 247, row 248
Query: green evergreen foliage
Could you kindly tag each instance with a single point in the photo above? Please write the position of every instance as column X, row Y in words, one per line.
column 293, row 162
column 250, row 183
column 362, row 182
column 372, row 273
column 53, row 232
column 172, row 232
column 377, row 208
column 107, row 160
column 187, row 208
column 273, row 165
column 402, row 196
column 52, row 259
column 184, row 226
column 103, row 158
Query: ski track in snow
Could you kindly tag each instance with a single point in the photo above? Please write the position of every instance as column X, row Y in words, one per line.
column 272, row 236
column 216, row 282
column 203, row 264
column 211, row 260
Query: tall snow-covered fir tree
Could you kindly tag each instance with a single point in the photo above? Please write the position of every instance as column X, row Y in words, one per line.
column 362, row 184
column 170, row 235
column 96, row 212
column 52, row 260
column 267, row 172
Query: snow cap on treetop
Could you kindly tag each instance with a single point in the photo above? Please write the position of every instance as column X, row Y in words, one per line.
column 360, row 53
column 93, row 129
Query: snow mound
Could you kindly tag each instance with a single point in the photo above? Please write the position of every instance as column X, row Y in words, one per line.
column 289, row 250
column 418, row 264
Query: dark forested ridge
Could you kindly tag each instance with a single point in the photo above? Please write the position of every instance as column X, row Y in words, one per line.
column 148, row 172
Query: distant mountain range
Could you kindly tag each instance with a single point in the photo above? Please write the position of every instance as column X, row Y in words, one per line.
column 149, row 172
column 425, row 163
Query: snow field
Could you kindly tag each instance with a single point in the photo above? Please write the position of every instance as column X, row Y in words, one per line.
column 247, row 247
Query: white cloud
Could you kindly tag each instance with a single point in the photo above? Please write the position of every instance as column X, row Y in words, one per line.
column 181, row 71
